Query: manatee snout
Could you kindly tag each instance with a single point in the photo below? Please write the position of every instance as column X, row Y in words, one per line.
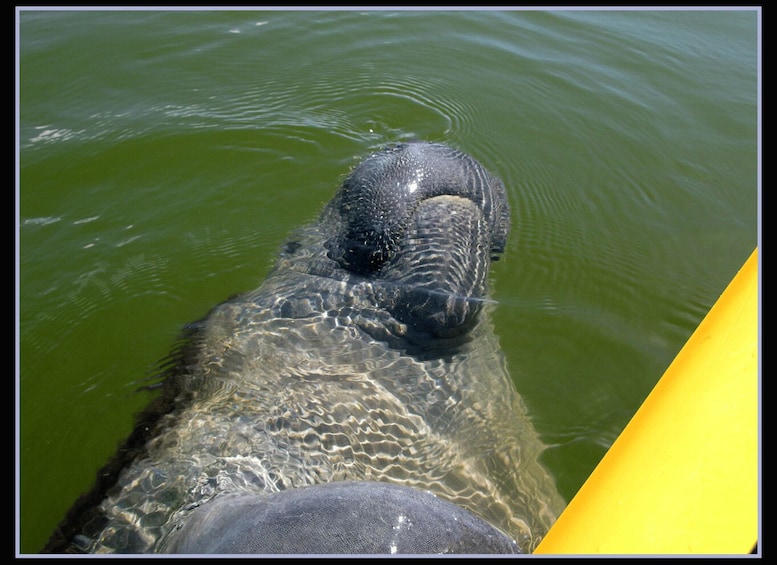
column 424, row 220
column 377, row 200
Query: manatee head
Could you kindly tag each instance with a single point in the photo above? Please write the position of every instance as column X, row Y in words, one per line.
column 424, row 221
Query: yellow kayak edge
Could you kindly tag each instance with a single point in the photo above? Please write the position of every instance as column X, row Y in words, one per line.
column 683, row 476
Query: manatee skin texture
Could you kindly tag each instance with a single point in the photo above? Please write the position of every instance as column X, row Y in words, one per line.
column 343, row 517
column 362, row 382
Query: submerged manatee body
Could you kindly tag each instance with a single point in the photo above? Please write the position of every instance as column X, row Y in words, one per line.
column 357, row 402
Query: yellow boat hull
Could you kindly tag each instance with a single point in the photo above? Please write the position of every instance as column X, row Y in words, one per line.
column 683, row 476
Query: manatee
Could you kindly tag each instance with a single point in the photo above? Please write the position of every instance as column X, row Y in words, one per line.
column 356, row 402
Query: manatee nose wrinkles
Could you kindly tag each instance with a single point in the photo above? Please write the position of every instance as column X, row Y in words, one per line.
column 441, row 271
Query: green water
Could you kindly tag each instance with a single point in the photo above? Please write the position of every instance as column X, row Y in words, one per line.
column 165, row 156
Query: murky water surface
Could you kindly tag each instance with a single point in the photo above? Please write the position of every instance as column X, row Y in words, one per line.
column 166, row 155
